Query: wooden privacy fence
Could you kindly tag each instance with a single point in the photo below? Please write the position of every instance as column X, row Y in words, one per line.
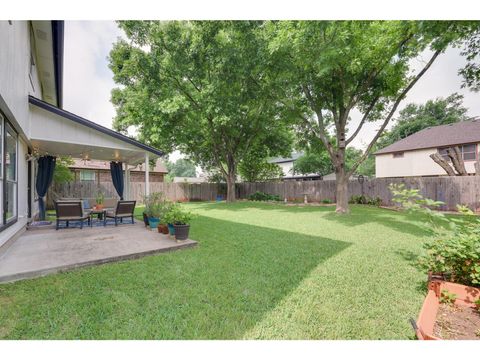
column 451, row 190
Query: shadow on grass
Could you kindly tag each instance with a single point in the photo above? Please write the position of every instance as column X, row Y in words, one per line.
column 218, row 290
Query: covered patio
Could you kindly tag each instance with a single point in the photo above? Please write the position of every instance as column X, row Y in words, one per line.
column 57, row 132
column 39, row 252
column 42, row 250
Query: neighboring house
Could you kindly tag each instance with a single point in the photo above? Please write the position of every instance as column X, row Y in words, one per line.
column 287, row 165
column 99, row 171
column 411, row 155
column 33, row 124
column 190, row 180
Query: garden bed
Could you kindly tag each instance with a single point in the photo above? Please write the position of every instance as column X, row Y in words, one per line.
column 457, row 323
column 458, row 320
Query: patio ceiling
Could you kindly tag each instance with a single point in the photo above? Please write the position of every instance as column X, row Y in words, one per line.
column 57, row 132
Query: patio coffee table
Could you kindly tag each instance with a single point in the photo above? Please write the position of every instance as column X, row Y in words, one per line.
column 100, row 214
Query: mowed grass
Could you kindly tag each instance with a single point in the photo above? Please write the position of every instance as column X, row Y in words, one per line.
column 260, row 271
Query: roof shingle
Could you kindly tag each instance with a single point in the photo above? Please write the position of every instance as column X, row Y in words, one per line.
column 464, row 132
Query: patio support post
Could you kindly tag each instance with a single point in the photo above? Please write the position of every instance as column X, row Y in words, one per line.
column 127, row 183
column 147, row 175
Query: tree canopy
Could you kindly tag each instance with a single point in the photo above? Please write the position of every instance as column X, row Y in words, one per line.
column 202, row 87
column 334, row 67
column 416, row 117
column 181, row 168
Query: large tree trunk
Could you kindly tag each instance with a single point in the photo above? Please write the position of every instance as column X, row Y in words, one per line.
column 341, row 177
column 231, row 187
column 477, row 166
column 443, row 163
column 342, row 191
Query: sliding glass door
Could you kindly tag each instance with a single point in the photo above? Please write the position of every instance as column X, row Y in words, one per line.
column 8, row 173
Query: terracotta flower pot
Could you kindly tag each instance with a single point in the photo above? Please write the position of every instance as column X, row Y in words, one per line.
column 163, row 229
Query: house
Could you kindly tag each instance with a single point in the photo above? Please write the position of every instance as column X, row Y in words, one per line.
column 35, row 129
column 288, row 164
column 99, row 171
column 411, row 155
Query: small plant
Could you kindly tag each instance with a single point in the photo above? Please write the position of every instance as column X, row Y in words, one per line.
column 177, row 216
column 100, row 198
column 448, row 298
column 261, row 196
column 154, row 204
column 477, row 304
column 327, row 201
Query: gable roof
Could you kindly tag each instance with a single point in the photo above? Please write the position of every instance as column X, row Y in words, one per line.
column 82, row 121
column 293, row 156
column 464, row 132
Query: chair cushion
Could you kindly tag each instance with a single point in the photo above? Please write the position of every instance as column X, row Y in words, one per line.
column 86, row 204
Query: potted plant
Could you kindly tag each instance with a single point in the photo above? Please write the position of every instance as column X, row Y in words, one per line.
column 179, row 220
column 153, row 209
column 99, row 200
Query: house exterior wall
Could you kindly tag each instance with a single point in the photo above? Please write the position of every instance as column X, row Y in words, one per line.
column 413, row 163
column 18, row 80
column 287, row 168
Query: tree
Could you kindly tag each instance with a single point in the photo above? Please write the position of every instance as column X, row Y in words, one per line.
column 333, row 67
column 202, row 87
column 253, row 169
column 415, row 117
column 321, row 164
column 313, row 163
column 181, row 168
column 62, row 173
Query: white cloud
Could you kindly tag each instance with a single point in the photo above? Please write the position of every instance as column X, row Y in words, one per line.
column 87, row 78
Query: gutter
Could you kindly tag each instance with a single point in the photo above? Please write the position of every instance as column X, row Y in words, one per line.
column 58, row 46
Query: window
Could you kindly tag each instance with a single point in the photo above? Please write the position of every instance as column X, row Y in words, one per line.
column 87, row 175
column 398, row 154
column 469, row 152
column 8, row 173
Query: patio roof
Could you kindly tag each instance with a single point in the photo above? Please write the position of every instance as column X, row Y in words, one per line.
column 56, row 131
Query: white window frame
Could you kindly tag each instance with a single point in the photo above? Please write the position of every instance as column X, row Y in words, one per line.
column 83, row 172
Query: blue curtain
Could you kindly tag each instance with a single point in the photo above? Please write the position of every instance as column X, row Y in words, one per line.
column 46, row 166
column 116, row 170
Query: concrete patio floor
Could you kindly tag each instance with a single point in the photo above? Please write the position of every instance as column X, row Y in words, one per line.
column 39, row 252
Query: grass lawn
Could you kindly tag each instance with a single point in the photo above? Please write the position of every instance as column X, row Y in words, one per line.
column 260, row 271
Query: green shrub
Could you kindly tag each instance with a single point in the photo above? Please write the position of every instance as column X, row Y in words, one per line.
column 365, row 200
column 455, row 246
column 261, row 196
column 327, row 201
column 177, row 215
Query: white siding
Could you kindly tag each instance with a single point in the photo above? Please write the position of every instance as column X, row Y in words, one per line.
column 15, row 85
column 413, row 163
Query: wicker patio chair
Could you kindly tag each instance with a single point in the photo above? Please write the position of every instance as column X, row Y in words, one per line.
column 68, row 210
column 124, row 209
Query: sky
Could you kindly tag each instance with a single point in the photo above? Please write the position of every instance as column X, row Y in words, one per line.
column 88, row 80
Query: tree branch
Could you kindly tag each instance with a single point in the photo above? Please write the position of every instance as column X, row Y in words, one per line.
column 443, row 163
column 392, row 111
column 362, row 122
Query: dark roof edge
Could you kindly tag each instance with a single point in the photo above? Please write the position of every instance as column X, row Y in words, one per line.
column 82, row 121
column 381, row 152
column 58, row 44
